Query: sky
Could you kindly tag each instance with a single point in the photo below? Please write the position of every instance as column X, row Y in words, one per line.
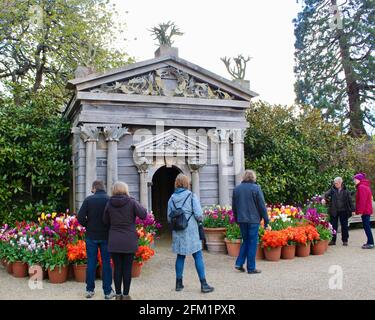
column 261, row 29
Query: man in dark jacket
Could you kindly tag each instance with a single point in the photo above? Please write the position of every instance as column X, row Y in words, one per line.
column 248, row 208
column 91, row 217
column 340, row 206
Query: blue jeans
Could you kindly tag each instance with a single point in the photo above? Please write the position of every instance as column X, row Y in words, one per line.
column 248, row 251
column 92, row 247
column 367, row 226
column 199, row 265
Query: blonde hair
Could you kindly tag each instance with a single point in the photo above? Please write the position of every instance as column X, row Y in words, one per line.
column 249, row 175
column 120, row 188
column 182, row 181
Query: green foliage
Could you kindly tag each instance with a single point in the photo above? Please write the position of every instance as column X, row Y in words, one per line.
column 55, row 257
column 324, row 233
column 43, row 42
column 335, row 60
column 233, row 232
column 295, row 152
column 34, row 159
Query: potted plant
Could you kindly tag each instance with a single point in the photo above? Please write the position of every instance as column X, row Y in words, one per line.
column 8, row 257
column 233, row 239
column 76, row 253
column 143, row 254
column 288, row 251
column 272, row 243
column 260, row 251
column 16, row 256
column 304, row 235
column 56, row 262
column 319, row 246
column 215, row 222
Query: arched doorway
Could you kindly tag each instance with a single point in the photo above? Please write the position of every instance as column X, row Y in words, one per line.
column 162, row 189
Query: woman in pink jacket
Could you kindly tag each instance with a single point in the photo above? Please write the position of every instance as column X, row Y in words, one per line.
column 363, row 206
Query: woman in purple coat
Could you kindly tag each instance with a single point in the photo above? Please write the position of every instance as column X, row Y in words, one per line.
column 119, row 215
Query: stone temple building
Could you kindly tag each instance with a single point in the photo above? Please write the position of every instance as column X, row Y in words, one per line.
column 148, row 121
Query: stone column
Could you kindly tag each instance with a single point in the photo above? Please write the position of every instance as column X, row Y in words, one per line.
column 90, row 135
column 194, row 166
column 143, row 164
column 223, row 139
column 113, row 135
column 238, row 154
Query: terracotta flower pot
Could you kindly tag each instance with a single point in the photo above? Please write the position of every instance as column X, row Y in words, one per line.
column 80, row 272
column 9, row 267
column 70, row 272
column 20, row 269
column 288, row 252
column 318, row 248
column 326, row 242
column 58, row 275
column 4, row 262
column 272, row 254
column 136, row 269
column 215, row 240
column 233, row 247
column 260, row 253
column 303, row 250
column 37, row 268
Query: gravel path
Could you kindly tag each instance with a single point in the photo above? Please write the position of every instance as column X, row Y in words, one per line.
column 301, row 278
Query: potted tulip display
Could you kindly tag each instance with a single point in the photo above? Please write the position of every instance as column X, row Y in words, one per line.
column 76, row 253
column 272, row 243
column 233, row 239
column 215, row 222
column 56, row 262
column 320, row 246
column 289, row 250
column 144, row 252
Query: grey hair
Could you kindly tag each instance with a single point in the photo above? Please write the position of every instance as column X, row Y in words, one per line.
column 338, row 179
column 249, row 175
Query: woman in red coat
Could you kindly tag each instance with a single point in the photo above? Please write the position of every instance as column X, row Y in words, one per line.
column 363, row 206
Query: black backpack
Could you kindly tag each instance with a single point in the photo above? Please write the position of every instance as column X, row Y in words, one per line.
column 178, row 218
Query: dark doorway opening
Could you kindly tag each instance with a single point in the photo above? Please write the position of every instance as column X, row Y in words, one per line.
column 162, row 189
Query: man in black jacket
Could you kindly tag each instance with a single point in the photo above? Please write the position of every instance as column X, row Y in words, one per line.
column 340, row 206
column 91, row 217
column 249, row 209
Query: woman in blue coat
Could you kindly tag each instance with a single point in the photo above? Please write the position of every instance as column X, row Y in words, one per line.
column 186, row 242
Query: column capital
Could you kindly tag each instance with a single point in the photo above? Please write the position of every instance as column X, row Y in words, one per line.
column 114, row 133
column 143, row 164
column 90, row 133
column 222, row 135
column 195, row 164
column 238, row 135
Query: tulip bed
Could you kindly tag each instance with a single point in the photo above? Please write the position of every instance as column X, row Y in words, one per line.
column 56, row 241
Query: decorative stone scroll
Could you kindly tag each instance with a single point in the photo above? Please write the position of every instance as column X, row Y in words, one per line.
column 168, row 81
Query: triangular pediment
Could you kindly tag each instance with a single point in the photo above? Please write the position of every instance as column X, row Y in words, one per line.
column 171, row 143
column 166, row 81
column 168, row 76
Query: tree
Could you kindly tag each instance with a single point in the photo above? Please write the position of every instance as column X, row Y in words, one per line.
column 296, row 152
column 42, row 42
column 334, row 52
column 34, row 158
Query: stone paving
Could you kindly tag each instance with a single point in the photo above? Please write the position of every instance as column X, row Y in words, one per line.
column 300, row 278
